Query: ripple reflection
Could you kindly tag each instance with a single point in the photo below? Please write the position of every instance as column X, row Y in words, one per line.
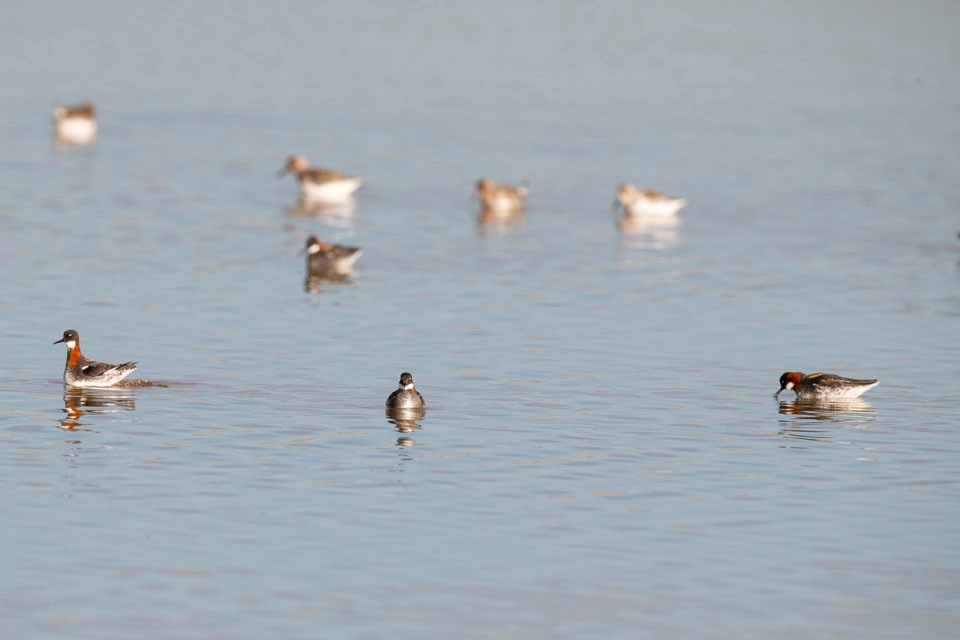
column 832, row 410
column 314, row 281
column 648, row 232
column 336, row 213
column 810, row 412
column 97, row 401
column 492, row 222
column 405, row 422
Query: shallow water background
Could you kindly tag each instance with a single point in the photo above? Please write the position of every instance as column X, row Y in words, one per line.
column 601, row 456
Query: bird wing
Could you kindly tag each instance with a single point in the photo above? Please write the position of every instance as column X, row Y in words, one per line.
column 323, row 175
column 94, row 368
column 831, row 379
column 339, row 251
column 653, row 194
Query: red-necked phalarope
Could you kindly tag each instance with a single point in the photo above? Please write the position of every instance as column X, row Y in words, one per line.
column 407, row 396
column 76, row 124
column 647, row 202
column 321, row 185
column 331, row 259
column 823, row 386
column 501, row 198
column 83, row 372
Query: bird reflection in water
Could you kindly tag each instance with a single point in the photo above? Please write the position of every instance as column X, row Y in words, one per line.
column 809, row 413
column 336, row 213
column 96, row 400
column 314, row 281
column 648, row 232
column 405, row 422
column 492, row 222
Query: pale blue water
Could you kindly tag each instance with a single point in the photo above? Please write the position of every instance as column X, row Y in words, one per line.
column 601, row 456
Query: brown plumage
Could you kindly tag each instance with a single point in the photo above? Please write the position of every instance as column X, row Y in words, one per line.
column 83, row 110
column 501, row 197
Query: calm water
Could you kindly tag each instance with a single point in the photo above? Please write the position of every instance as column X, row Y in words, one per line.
column 601, row 456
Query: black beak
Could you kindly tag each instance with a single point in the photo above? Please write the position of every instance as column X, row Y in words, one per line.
column 59, row 341
column 777, row 394
column 283, row 171
column 614, row 205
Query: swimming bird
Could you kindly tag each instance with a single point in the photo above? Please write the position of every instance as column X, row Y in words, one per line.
column 321, row 185
column 75, row 124
column 406, row 396
column 647, row 202
column 823, row 386
column 501, row 198
column 80, row 371
column 330, row 259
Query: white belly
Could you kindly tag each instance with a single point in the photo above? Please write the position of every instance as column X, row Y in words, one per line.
column 76, row 130
column 331, row 191
column 107, row 380
column 839, row 393
column 503, row 204
column 646, row 207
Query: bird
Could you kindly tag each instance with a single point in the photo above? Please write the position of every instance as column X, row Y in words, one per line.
column 321, row 185
column 75, row 124
column 330, row 259
column 501, row 198
column 406, row 396
column 823, row 386
column 80, row 371
column 647, row 202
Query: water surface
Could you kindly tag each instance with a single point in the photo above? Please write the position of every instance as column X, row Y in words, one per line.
column 601, row 456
